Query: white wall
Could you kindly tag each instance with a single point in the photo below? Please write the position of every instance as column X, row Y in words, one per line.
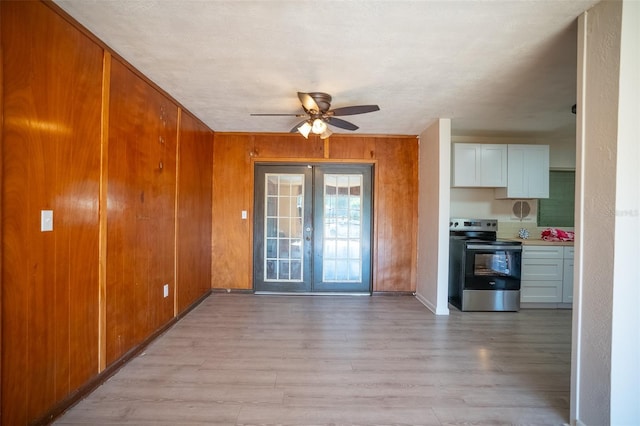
column 434, row 173
column 605, row 380
column 625, row 330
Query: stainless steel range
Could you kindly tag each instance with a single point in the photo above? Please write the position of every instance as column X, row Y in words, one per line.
column 484, row 273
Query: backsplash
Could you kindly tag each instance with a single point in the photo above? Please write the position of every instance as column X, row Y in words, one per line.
column 480, row 203
column 507, row 229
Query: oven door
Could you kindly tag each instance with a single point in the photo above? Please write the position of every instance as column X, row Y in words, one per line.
column 492, row 266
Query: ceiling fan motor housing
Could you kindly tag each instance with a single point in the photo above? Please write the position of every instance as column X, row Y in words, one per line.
column 323, row 100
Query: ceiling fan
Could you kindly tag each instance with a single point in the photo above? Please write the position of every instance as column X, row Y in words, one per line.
column 317, row 106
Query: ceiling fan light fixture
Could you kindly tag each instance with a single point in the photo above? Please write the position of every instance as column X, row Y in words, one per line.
column 305, row 129
column 319, row 126
column 326, row 133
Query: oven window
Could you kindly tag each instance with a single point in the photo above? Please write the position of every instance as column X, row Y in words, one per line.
column 498, row 263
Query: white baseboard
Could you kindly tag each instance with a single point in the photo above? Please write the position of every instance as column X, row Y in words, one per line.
column 430, row 305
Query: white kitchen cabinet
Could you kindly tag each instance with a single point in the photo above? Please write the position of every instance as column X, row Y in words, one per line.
column 547, row 274
column 567, row 277
column 479, row 165
column 527, row 172
column 542, row 274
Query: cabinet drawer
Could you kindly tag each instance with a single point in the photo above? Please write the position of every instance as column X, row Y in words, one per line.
column 541, row 291
column 568, row 252
column 542, row 269
column 542, row 252
column 567, row 285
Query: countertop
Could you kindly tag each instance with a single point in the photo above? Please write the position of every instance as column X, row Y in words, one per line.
column 540, row 242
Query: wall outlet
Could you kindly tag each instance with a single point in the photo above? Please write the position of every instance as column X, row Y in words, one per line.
column 166, row 290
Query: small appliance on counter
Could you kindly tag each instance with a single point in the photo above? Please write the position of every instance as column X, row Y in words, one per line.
column 484, row 273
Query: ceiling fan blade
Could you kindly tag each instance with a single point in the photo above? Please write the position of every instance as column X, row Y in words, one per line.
column 308, row 103
column 277, row 115
column 353, row 110
column 341, row 123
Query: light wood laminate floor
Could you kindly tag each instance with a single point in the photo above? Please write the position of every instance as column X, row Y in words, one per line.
column 311, row 360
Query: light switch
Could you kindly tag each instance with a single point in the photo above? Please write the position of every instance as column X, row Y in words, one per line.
column 165, row 290
column 244, row 214
column 46, row 220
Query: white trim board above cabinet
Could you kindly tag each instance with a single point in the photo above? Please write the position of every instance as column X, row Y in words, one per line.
column 479, row 165
column 527, row 172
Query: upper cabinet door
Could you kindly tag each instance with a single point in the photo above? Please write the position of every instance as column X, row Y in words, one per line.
column 479, row 165
column 494, row 165
column 528, row 172
column 466, row 164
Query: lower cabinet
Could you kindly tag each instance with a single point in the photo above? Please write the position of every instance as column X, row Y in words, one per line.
column 567, row 281
column 547, row 274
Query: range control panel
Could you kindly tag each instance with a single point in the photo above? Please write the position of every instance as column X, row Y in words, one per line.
column 464, row 224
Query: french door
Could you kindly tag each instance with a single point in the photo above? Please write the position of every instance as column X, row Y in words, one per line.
column 312, row 228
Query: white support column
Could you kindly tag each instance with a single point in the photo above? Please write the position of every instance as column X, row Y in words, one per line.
column 434, row 177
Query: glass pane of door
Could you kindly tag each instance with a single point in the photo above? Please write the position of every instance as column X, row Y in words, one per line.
column 284, row 198
column 282, row 252
column 342, row 259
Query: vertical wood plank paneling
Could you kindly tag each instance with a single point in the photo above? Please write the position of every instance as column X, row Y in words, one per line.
column 193, row 240
column 396, row 209
column 395, row 203
column 352, row 147
column 120, row 216
column 160, row 222
column 15, row 220
column 51, row 155
column 141, row 211
column 232, row 192
column 287, row 145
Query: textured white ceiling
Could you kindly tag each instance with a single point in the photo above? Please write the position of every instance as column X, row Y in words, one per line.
column 493, row 67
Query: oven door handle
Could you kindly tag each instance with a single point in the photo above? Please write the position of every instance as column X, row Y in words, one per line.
column 493, row 247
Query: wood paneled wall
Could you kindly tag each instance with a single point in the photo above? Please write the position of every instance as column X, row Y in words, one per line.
column 141, row 210
column 52, row 91
column 194, row 211
column 395, row 199
column 78, row 123
column 396, row 210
